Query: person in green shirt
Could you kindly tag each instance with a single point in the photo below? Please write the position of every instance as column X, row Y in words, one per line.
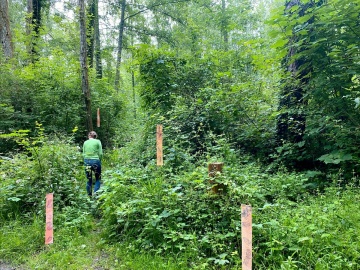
column 92, row 153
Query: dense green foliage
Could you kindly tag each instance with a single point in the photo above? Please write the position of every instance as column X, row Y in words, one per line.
column 220, row 81
column 47, row 92
column 327, row 44
column 47, row 165
column 194, row 99
column 151, row 210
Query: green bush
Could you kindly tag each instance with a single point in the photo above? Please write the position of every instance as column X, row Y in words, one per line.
column 153, row 210
column 316, row 233
column 46, row 165
column 196, row 98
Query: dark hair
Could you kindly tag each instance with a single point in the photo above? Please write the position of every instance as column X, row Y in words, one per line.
column 92, row 134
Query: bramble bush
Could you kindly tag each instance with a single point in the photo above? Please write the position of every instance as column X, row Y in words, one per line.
column 164, row 211
column 318, row 232
column 45, row 164
column 152, row 209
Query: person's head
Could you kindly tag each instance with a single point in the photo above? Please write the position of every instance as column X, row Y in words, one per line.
column 92, row 134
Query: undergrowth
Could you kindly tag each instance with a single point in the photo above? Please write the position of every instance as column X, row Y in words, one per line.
column 161, row 218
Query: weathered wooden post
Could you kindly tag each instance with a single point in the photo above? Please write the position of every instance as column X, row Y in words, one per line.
column 246, row 236
column 98, row 117
column 213, row 169
column 49, row 231
column 159, row 145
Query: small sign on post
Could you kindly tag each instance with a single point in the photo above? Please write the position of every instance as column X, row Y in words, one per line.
column 246, row 236
column 49, row 231
column 159, row 145
column 98, row 117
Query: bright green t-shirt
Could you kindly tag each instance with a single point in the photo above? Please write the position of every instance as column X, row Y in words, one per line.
column 92, row 149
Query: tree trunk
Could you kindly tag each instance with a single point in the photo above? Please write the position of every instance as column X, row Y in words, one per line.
column 33, row 24
column 133, row 89
column 120, row 45
column 36, row 18
column 5, row 33
column 291, row 123
column 224, row 25
column 90, row 32
column 97, row 41
column 29, row 26
column 84, row 66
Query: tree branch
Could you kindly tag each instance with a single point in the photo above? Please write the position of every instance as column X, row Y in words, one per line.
column 155, row 5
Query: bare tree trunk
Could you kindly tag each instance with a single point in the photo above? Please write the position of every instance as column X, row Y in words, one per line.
column 133, row 89
column 84, row 67
column 224, row 25
column 97, row 41
column 30, row 11
column 120, row 45
column 5, row 33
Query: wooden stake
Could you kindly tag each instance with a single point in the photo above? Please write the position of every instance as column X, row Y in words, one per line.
column 98, row 117
column 49, row 231
column 159, row 146
column 246, row 236
column 213, row 169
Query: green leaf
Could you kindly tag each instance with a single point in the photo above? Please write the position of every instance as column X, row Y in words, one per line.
column 14, row 199
column 335, row 157
column 279, row 43
column 165, row 214
column 304, row 239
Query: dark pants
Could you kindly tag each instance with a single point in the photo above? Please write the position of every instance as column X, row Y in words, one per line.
column 92, row 165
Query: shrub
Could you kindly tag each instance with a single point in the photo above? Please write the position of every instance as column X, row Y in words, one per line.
column 317, row 233
column 46, row 165
column 153, row 210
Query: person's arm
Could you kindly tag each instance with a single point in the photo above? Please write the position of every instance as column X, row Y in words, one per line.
column 83, row 150
column 100, row 150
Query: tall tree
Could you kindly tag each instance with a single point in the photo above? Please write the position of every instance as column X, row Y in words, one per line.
column 120, row 44
column 90, row 32
column 93, row 37
column 5, row 33
column 291, row 123
column 143, row 26
column 35, row 8
column 97, row 47
column 224, row 24
column 84, row 66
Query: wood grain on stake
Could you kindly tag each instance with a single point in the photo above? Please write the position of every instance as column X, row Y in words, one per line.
column 98, row 117
column 213, row 170
column 246, row 236
column 49, row 231
column 159, row 146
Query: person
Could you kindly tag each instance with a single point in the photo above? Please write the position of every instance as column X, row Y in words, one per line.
column 92, row 153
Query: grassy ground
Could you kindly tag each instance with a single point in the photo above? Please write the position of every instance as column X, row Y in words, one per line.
column 22, row 248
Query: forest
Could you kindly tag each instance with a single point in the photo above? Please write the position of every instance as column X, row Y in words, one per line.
column 268, row 88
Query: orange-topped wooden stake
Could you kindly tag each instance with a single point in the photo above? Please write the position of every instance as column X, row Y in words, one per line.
column 246, row 236
column 98, row 117
column 49, row 230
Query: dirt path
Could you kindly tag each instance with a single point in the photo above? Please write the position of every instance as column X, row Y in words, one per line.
column 5, row 266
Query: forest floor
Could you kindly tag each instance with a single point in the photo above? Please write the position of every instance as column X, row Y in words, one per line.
column 76, row 251
column 5, row 266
